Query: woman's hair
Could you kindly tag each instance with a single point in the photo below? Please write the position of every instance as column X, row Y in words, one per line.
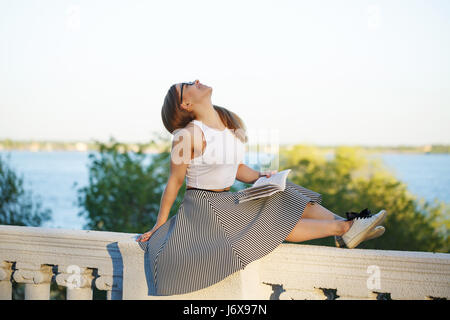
column 174, row 117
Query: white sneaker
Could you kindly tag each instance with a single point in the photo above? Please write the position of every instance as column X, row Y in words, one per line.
column 360, row 227
column 376, row 232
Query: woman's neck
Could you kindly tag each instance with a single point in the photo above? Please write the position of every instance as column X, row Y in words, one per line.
column 211, row 118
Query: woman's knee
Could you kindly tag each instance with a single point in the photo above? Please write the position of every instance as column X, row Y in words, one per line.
column 307, row 212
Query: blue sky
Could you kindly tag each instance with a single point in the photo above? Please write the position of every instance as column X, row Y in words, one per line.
column 319, row 72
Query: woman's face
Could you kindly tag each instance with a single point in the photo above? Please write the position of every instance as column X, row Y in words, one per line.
column 194, row 94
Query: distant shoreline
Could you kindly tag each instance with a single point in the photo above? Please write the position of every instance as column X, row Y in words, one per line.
column 49, row 146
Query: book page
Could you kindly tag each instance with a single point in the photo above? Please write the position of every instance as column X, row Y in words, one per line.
column 264, row 186
column 278, row 179
column 260, row 190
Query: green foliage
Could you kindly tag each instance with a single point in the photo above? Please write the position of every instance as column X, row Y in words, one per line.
column 351, row 182
column 440, row 148
column 19, row 208
column 124, row 193
column 17, row 205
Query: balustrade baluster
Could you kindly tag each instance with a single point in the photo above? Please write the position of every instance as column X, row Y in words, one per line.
column 112, row 285
column 77, row 280
column 37, row 279
column 5, row 280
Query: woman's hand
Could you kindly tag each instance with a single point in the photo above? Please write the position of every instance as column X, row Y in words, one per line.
column 267, row 173
column 145, row 236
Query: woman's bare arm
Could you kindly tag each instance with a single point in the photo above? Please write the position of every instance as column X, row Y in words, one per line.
column 168, row 198
column 184, row 148
column 246, row 174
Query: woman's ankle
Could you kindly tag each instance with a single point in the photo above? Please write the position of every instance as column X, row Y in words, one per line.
column 343, row 226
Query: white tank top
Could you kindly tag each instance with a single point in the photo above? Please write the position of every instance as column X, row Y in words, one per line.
column 216, row 168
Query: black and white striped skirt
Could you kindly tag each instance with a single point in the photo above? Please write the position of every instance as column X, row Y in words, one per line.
column 213, row 236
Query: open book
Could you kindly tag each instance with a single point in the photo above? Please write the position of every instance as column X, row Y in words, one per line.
column 264, row 187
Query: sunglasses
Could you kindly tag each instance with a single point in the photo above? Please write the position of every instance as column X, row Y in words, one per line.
column 182, row 84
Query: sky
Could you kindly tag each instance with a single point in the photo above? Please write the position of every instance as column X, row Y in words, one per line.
column 314, row 72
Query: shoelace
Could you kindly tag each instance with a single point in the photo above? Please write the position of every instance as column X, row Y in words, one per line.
column 365, row 213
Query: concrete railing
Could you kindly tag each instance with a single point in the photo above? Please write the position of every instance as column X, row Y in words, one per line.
column 111, row 261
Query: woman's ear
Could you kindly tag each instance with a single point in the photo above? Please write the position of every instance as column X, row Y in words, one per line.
column 190, row 106
column 187, row 106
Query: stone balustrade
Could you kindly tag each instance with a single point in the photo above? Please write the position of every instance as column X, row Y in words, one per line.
column 82, row 260
column 76, row 259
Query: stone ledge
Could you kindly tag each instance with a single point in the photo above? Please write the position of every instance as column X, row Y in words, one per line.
column 402, row 274
column 291, row 271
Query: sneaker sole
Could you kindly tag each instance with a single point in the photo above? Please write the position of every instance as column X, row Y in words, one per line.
column 360, row 237
column 376, row 232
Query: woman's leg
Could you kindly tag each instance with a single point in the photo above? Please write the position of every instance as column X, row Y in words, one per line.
column 318, row 222
column 316, row 211
column 308, row 229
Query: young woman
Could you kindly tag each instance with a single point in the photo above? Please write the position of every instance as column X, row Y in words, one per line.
column 213, row 235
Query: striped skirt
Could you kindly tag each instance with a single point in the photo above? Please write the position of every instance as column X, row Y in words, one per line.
column 213, row 236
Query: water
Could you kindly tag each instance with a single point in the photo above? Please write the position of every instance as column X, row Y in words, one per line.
column 51, row 176
column 426, row 175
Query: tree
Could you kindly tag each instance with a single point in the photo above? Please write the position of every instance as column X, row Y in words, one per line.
column 124, row 193
column 351, row 182
column 17, row 205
